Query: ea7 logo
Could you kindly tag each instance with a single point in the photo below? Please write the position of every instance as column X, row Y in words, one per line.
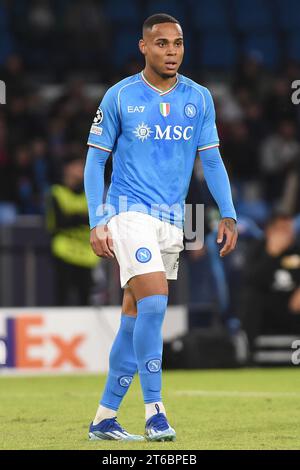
column 296, row 354
column 135, row 109
column 173, row 133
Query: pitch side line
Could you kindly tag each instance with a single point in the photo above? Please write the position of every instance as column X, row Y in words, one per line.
column 238, row 394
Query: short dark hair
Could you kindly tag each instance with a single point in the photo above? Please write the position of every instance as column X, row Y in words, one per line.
column 158, row 18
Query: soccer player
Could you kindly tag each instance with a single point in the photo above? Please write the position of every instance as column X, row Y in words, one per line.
column 154, row 123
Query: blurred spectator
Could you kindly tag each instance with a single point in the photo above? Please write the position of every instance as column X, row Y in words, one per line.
column 15, row 77
column 280, row 154
column 278, row 104
column 26, row 190
column 87, row 17
column 6, row 171
column 87, row 36
column 240, row 152
column 67, row 221
column 251, row 75
column 255, row 120
column 40, row 169
column 18, row 120
column 57, row 138
column 7, row 190
column 41, row 17
column 272, row 288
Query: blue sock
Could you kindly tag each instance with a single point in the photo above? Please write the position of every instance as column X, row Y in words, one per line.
column 148, row 344
column 122, row 365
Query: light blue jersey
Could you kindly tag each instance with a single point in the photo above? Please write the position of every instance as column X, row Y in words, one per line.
column 154, row 137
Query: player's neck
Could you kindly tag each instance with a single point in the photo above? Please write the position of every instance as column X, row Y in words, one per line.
column 162, row 84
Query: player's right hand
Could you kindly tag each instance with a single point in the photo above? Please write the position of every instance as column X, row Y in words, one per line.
column 101, row 242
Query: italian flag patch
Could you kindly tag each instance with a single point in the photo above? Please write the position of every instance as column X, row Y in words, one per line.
column 164, row 109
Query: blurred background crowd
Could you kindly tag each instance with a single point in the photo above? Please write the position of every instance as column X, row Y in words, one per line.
column 57, row 58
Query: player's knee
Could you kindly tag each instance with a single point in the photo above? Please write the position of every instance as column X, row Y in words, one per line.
column 129, row 303
column 149, row 284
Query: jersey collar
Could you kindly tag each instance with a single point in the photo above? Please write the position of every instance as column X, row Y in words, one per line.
column 162, row 93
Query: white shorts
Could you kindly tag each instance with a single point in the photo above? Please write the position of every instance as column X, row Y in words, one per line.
column 144, row 244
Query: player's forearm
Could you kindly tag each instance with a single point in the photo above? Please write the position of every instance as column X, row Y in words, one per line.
column 94, row 184
column 217, row 181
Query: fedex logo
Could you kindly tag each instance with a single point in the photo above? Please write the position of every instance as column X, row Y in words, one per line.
column 24, row 343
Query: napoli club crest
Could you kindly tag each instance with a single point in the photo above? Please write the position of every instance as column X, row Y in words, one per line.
column 190, row 110
column 143, row 255
column 125, row 381
column 154, row 365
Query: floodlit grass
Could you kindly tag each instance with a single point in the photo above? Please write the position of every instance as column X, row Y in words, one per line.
column 216, row 409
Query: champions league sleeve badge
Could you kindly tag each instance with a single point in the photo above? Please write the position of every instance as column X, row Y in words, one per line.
column 99, row 117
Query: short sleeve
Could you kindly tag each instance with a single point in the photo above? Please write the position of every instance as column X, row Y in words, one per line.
column 209, row 135
column 106, row 124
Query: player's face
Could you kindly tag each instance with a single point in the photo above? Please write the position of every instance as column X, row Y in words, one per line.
column 163, row 49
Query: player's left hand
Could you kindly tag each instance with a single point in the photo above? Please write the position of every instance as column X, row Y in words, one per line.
column 227, row 228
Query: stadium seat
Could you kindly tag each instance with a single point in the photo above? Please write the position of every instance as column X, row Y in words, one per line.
column 218, row 50
column 60, row 7
column 19, row 15
column 293, row 46
column 3, row 19
column 209, row 15
column 253, row 15
column 266, row 45
column 6, row 47
column 188, row 61
column 288, row 14
column 126, row 46
column 172, row 7
column 122, row 12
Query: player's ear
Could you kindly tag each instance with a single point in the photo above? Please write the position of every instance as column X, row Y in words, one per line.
column 142, row 46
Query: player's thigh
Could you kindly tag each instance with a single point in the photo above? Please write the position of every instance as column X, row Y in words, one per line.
column 129, row 303
column 144, row 285
column 136, row 245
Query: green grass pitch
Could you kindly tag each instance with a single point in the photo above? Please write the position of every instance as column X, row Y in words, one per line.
column 216, row 409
